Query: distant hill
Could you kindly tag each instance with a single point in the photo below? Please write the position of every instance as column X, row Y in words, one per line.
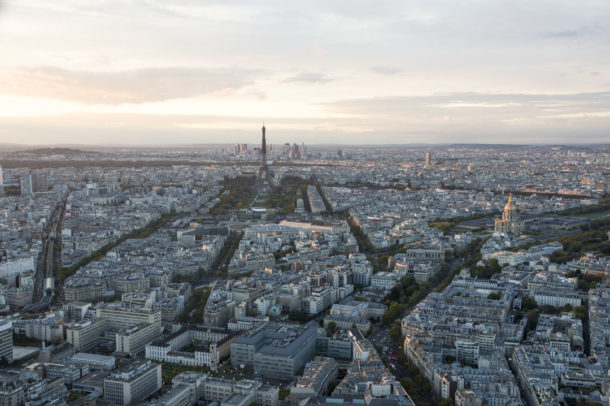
column 54, row 151
column 7, row 147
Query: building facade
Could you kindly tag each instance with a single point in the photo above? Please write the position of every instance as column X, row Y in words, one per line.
column 131, row 386
column 6, row 340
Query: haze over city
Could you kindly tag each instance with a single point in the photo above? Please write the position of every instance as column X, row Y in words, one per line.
column 340, row 72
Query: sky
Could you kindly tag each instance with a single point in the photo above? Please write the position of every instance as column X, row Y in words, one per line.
column 167, row 72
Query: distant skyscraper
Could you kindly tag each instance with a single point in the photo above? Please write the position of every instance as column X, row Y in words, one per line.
column 427, row 159
column 41, row 183
column 286, row 150
column 296, row 152
column 1, row 176
column 26, row 184
column 34, row 183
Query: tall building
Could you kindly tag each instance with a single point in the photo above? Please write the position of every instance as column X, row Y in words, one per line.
column 427, row 159
column 6, row 340
column 240, row 149
column 39, row 183
column 26, row 184
column 34, row 183
column 510, row 221
column 297, row 151
column 133, row 384
column 286, row 151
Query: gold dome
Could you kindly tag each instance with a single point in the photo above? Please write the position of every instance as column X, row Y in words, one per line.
column 510, row 205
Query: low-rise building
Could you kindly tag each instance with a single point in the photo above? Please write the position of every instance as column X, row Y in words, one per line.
column 133, row 340
column 192, row 345
column 133, row 384
column 317, row 376
column 95, row 361
column 386, row 280
column 275, row 350
column 85, row 335
column 119, row 317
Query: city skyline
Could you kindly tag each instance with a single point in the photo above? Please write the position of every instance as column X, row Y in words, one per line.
column 250, row 275
column 153, row 73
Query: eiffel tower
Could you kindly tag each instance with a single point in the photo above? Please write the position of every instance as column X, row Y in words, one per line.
column 263, row 179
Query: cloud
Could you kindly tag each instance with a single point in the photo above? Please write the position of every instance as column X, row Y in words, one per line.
column 308, row 77
column 505, row 103
column 562, row 34
column 118, row 87
column 486, row 117
column 386, row 70
column 126, row 128
column 436, row 126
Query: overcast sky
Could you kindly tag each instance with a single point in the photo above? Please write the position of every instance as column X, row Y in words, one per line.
column 315, row 71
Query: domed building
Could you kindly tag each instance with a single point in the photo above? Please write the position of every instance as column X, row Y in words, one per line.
column 510, row 221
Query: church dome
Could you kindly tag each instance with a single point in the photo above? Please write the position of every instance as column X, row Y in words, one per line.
column 510, row 206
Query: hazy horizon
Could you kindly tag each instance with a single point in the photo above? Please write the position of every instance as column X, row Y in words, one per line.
column 186, row 72
column 10, row 147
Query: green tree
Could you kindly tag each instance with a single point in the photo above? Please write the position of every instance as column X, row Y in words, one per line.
column 583, row 285
column 529, row 303
column 494, row 265
column 331, row 327
column 284, row 393
column 395, row 333
column 394, row 312
column 73, row 396
column 532, row 320
column 494, row 295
